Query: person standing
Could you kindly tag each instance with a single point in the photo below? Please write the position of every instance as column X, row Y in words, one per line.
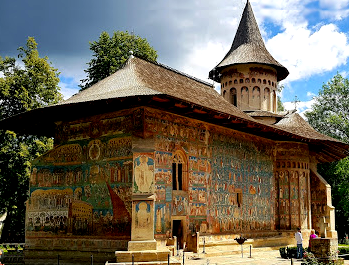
column 299, row 239
column 312, row 236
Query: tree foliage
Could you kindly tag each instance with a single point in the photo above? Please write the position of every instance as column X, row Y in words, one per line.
column 330, row 116
column 31, row 86
column 110, row 53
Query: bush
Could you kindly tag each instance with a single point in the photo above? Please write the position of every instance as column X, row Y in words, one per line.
column 343, row 251
column 289, row 252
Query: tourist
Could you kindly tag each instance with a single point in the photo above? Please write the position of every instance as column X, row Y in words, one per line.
column 312, row 236
column 299, row 239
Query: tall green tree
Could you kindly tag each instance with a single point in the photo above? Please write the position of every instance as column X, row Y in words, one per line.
column 31, row 86
column 110, row 53
column 330, row 116
column 280, row 106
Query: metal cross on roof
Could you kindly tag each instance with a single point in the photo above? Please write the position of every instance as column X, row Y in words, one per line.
column 296, row 101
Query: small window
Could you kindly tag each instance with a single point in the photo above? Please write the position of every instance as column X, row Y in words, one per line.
column 239, row 198
column 253, row 80
column 235, row 81
column 241, row 80
column 178, row 173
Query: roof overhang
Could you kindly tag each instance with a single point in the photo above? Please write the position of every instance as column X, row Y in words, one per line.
column 42, row 121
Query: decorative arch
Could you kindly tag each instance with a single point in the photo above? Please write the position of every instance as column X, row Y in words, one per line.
column 233, row 96
column 244, row 98
column 266, row 99
column 179, row 171
column 256, row 97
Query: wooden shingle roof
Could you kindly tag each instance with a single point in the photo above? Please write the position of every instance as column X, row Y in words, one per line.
column 143, row 83
column 248, row 47
column 139, row 78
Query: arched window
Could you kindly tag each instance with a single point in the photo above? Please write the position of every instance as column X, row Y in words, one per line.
column 179, row 171
column 233, row 96
column 256, row 97
column 266, row 99
column 244, row 98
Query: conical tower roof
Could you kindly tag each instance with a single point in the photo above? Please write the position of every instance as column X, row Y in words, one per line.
column 248, row 47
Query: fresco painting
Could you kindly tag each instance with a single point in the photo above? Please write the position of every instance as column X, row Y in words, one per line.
column 143, row 173
column 82, row 188
column 162, row 219
column 230, row 180
column 142, row 220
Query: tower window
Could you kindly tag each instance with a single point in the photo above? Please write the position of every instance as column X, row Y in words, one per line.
column 241, row 80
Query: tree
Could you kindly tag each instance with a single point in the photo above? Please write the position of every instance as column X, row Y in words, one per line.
column 337, row 175
column 110, row 53
column 280, row 106
column 330, row 112
column 330, row 116
column 21, row 89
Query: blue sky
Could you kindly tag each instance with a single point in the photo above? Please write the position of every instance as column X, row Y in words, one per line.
column 310, row 38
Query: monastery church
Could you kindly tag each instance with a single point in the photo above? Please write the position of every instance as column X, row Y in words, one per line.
column 150, row 158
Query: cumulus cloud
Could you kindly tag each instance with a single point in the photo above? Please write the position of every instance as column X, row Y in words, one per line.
column 302, row 106
column 299, row 49
column 203, row 59
column 330, row 4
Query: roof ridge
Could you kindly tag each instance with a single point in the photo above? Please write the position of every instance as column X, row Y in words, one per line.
column 175, row 71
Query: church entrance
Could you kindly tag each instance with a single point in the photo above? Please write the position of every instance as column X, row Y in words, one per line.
column 177, row 230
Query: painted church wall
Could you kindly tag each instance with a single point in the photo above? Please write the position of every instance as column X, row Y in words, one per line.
column 292, row 186
column 82, row 188
column 229, row 176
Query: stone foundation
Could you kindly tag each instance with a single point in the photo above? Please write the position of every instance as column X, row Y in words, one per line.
column 326, row 250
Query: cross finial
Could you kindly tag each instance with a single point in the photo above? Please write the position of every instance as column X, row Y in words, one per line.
column 296, row 101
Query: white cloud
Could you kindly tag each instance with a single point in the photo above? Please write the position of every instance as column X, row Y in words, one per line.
column 310, row 94
column 330, row 4
column 299, row 50
column 302, row 106
column 68, row 89
column 203, row 59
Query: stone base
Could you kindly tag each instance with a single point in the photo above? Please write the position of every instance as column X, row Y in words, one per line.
column 325, row 250
column 142, row 245
column 142, row 256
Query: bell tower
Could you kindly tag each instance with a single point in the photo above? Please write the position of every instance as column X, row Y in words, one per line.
column 248, row 74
